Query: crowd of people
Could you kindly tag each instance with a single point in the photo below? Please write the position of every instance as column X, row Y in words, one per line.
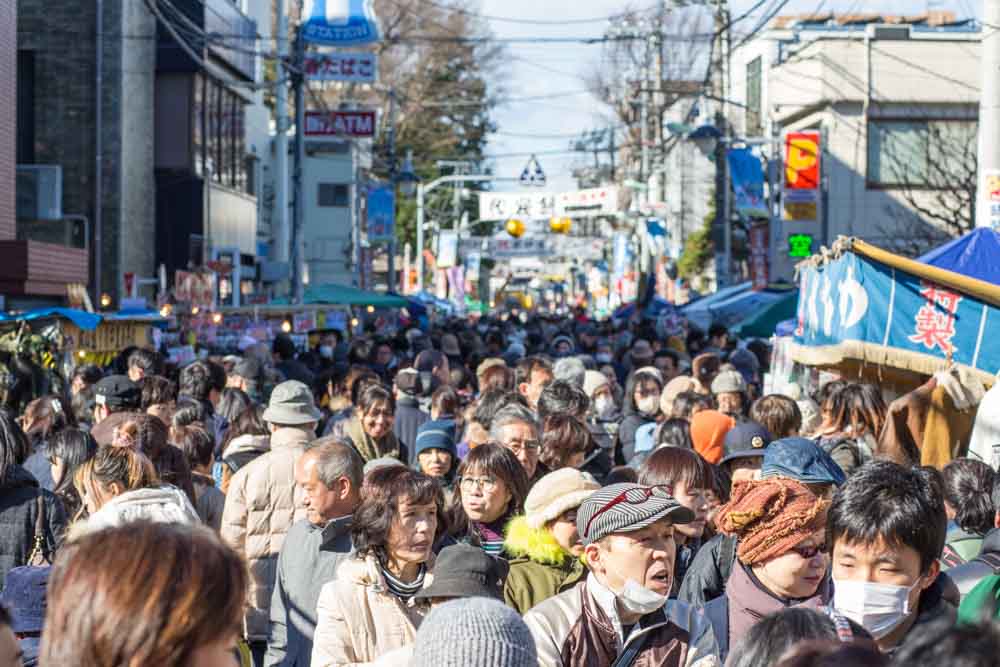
column 501, row 492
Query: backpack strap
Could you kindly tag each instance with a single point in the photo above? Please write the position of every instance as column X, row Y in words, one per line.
column 727, row 556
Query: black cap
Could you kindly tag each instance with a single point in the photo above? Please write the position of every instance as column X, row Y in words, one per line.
column 117, row 391
column 462, row 571
column 745, row 440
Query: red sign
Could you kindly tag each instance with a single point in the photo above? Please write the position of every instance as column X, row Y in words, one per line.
column 129, row 281
column 340, row 124
column 802, row 161
column 758, row 256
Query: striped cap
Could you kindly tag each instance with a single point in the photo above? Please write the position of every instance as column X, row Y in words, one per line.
column 635, row 507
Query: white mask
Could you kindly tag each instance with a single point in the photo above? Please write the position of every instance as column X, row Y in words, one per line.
column 604, row 406
column 878, row 608
column 649, row 405
column 326, row 351
column 602, row 358
column 637, row 599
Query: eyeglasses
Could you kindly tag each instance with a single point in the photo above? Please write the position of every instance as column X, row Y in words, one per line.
column 808, row 553
column 643, row 494
column 518, row 446
column 487, row 484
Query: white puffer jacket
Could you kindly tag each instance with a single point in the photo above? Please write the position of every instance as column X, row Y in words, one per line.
column 165, row 504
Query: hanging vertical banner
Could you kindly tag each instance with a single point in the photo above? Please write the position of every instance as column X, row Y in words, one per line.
column 380, row 214
column 802, row 176
column 340, row 22
column 759, row 273
column 748, row 182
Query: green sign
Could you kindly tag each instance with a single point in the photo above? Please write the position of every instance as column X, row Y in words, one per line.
column 800, row 245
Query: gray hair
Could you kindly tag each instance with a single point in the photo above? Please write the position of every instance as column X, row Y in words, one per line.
column 336, row 459
column 515, row 413
column 570, row 369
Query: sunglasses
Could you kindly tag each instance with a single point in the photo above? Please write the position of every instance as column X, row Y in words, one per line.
column 638, row 497
column 808, row 553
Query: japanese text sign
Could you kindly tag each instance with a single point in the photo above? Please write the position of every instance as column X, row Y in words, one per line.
column 855, row 298
column 359, row 123
column 355, row 67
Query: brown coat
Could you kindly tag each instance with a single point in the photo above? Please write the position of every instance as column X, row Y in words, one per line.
column 261, row 505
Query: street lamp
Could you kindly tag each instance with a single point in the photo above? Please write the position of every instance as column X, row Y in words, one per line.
column 407, row 177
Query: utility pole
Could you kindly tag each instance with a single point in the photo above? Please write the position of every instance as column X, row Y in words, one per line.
column 723, row 219
column 391, row 274
column 279, row 219
column 989, row 117
column 296, row 235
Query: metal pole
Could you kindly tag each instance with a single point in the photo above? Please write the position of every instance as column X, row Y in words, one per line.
column 98, row 153
column 391, row 275
column 989, row 115
column 281, row 251
column 296, row 250
column 420, row 237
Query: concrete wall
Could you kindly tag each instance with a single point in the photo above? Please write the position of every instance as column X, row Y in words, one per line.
column 326, row 231
column 62, row 36
column 8, row 116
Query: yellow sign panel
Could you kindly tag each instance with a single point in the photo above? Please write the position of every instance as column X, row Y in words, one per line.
column 109, row 336
column 800, row 210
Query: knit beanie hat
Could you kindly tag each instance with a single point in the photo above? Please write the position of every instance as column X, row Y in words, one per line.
column 770, row 517
column 557, row 492
column 436, row 434
column 708, row 433
column 474, row 631
column 592, row 381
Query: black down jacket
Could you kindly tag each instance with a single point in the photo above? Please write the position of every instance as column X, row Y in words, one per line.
column 18, row 512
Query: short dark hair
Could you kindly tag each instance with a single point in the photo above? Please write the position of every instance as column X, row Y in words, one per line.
column 376, row 393
column 561, row 397
column 196, row 443
column 685, row 403
column 944, row 643
column 156, row 389
column 563, row 436
column 492, row 401
column 196, row 380
column 284, row 347
column 528, row 365
column 717, row 330
column 779, row 414
column 667, row 352
column 150, row 362
column 446, row 402
column 383, row 489
column 89, row 373
column 428, row 360
column 885, row 501
column 968, row 488
column 188, row 412
column 770, row 638
column 670, row 465
column 675, row 433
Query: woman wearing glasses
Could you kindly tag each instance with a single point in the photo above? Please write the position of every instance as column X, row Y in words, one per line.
column 369, row 609
column 492, row 486
column 781, row 555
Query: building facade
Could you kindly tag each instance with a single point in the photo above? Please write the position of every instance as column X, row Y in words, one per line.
column 895, row 101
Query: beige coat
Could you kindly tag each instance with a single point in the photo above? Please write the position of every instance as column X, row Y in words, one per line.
column 261, row 505
column 358, row 620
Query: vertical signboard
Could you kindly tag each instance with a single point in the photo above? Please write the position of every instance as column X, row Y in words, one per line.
column 758, row 256
column 380, row 214
column 340, row 22
column 802, row 176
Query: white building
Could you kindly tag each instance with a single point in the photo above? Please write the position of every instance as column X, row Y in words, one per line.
column 895, row 100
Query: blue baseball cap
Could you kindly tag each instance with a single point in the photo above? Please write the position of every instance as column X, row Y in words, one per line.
column 802, row 460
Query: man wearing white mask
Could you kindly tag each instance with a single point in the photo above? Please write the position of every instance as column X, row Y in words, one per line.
column 620, row 615
column 887, row 527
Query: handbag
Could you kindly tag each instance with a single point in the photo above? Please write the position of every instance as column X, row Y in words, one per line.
column 40, row 555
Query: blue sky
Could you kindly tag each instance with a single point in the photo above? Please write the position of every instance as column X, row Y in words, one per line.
column 549, row 124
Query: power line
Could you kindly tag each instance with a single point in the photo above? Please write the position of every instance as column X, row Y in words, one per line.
column 521, row 21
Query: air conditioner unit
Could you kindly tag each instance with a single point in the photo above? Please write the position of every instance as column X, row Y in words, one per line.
column 39, row 191
column 888, row 32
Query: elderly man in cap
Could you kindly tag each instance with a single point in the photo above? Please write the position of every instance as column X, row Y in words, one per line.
column 620, row 614
column 262, row 502
column 115, row 398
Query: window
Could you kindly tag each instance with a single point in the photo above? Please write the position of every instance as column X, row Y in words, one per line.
column 198, row 124
column 333, row 194
column 25, row 107
column 934, row 154
column 754, row 113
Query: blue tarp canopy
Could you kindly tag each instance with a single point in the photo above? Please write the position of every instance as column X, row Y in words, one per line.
column 739, row 307
column 699, row 313
column 653, row 310
column 977, row 255
column 84, row 320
